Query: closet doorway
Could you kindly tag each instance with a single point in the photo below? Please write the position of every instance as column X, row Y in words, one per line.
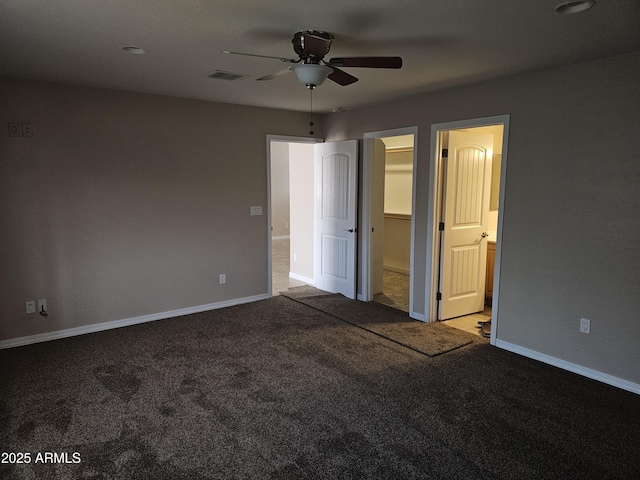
column 387, row 220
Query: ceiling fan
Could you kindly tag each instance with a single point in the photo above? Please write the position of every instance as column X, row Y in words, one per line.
column 311, row 68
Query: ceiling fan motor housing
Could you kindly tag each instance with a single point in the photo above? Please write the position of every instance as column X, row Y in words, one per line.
column 312, row 45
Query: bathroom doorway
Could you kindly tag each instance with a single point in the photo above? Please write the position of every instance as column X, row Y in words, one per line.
column 468, row 176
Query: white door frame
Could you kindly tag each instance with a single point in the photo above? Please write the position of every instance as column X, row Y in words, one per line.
column 367, row 220
column 434, row 213
column 277, row 138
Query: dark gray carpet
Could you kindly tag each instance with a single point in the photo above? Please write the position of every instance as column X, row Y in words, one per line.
column 429, row 338
column 278, row 390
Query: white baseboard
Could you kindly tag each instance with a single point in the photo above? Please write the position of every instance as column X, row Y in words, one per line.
column 300, row 278
column 99, row 327
column 572, row 367
column 393, row 268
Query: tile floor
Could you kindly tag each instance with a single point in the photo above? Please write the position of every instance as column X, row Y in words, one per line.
column 395, row 288
column 280, row 267
column 469, row 323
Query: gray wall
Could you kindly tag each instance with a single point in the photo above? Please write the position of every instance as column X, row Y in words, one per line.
column 123, row 204
column 280, row 211
column 571, row 244
column 301, row 181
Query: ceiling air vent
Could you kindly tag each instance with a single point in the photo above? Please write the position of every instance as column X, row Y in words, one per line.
column 220, row 75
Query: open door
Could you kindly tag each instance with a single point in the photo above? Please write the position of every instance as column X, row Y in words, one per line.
column 336, row 173
column 465, row 217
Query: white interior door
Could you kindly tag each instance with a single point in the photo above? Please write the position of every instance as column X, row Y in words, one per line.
column 465, row 216
column 336, row 173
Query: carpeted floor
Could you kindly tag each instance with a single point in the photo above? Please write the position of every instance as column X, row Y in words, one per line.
column 390, row 323
column 279, row 390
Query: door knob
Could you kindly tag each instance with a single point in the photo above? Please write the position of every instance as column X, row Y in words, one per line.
column 350, row 230
column 484, row 234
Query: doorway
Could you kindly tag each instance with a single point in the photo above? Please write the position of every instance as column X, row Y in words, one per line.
column 321, row 219
column 393, row 209
column 466, row 192
column 290, row 239
column 388, row 223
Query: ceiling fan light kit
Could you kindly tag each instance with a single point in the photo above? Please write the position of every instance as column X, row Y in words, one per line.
column 310, row 74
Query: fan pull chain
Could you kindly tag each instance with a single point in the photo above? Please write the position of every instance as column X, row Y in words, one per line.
column 311, row 110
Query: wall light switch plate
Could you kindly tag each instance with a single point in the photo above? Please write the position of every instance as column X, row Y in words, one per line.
column 585, row 325
column 255, row 211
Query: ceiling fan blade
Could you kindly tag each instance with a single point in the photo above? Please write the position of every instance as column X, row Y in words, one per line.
column 282, row 59
column 274, row 75
column 368, row 62
column 341, row 77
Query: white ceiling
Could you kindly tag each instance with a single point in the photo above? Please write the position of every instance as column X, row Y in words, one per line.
column 443, row 43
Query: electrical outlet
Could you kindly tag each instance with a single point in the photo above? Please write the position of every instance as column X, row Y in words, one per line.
column 255, row 211
column 31, row 307
column 295, row 257
column 15, row 130
column 585, row 325
column 223, row 279
column 27, row 130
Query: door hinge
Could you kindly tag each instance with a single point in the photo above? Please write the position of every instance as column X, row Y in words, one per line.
column 438, row 296
column 441, row 226
column 445, row 152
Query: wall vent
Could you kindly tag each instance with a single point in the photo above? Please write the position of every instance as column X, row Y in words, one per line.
column 220, row 75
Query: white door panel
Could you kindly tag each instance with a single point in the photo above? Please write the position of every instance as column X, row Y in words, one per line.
column 465, row 217
column 336, row 165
